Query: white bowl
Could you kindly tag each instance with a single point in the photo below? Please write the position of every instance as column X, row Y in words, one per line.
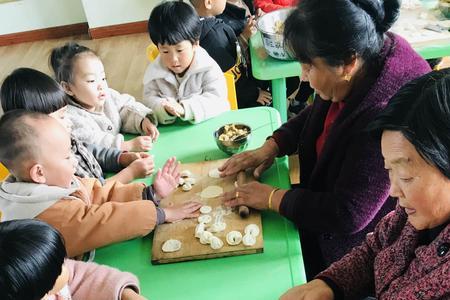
column 273, row 40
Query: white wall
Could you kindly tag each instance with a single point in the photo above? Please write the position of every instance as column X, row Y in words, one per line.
column 26, row 15
column 101, row 13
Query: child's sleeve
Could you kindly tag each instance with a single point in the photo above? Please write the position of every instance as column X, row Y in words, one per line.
column 213, row 98
column 94, row 281
column 267, row 5
column 97, row 215
column 108, row 158
column 88, row 131
column 154, row 100
column 131, row 112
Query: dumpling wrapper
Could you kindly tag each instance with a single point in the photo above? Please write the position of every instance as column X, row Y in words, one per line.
column 211, row 191
column 171, row 246
column 214, row 173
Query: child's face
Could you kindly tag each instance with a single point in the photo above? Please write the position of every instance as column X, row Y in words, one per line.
column 60, row 116
column 89, row 86
column 177, row 58
column 56, row 160
column 217, row 7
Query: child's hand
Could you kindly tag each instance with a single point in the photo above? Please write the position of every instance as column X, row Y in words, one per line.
column 150, row 129
column 130, row 294
column 182, row 211
column 259, row 13
column 126, row 158
column 250, row 28
column 142, row 167
column 174, row 108
column 166, row 180
column 140, row 143
column 264, row 97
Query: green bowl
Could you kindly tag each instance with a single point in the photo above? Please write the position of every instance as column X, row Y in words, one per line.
column 234, row 146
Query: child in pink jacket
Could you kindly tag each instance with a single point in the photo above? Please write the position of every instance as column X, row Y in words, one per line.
column 271, row 5
column 33, row 267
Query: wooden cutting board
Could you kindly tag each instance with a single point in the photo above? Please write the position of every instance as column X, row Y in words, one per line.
column 191, row 248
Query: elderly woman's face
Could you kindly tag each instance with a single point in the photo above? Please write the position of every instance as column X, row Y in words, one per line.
column 327, row 81
column 422, row 190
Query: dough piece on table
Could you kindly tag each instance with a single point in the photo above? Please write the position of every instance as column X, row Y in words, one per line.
column 205, row 209
column 211, row 191
column 186, row 173
column 187, row 187
column 216, row 243
column 181, row 181
column 234, row 238
column 190, row 180
column 199, row 230
column 205, row 237
column 214, row 173
column 248, row 240
column 204, row 219
column 171, row 246
column 252, row 229
column 218, row 227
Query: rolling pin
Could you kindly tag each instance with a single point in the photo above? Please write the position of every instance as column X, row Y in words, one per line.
column 244, row 212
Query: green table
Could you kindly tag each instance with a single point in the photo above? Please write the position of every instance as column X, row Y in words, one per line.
column 257, row 276
column 265, row 67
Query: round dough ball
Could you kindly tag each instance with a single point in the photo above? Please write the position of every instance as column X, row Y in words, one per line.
column 204, row 219
column 214, row 173
column 252, row 229
column 216, row 243
column 205, row 237
column 234, row 238
column 171, row 246
column 205, row 209
column 248, row 240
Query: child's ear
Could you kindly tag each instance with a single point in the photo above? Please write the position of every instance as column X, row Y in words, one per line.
column 37, row 173
column 66, row 88
column 208, row 4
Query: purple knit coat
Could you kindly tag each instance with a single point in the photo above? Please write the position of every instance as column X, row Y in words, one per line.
column 393, row 263
column 342, row 195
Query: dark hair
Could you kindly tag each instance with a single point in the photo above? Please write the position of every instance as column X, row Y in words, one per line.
column 62, row 60
column 18, row 141
column 421, row 112
column 31, row 257
column 33, row 90
column 173, row 22
column 338, row 30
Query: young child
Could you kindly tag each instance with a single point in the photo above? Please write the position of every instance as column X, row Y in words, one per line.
column 221, row 42
column 33, row 267
column 87, row 214
column 97, row 112
column 183, row 81
column 33, row 90
column 271, row 5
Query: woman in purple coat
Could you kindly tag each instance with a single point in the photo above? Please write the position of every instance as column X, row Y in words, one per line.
column 407, row 256
column 355, row 66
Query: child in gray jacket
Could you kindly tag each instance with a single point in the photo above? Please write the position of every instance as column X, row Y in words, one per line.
column 99, row 113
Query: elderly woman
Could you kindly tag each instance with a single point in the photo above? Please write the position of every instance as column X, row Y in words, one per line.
column 355, row 66
column 407, row 256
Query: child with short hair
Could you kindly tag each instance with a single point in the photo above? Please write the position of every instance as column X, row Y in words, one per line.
column 33, row 90
column 183, row 81
column 87, row 214
column 221, row 42
column 99, row 113
column 33, row 266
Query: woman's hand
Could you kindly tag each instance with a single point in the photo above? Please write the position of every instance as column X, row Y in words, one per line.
column 259, row 159
column 130, row 294
column 149, row 129
column 253, row 194
column 166, row 180
column 140, row 143
column 314, row 290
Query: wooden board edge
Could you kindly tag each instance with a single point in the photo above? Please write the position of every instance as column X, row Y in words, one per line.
column 119, row 29
column 207, row 256
column 44, row 34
